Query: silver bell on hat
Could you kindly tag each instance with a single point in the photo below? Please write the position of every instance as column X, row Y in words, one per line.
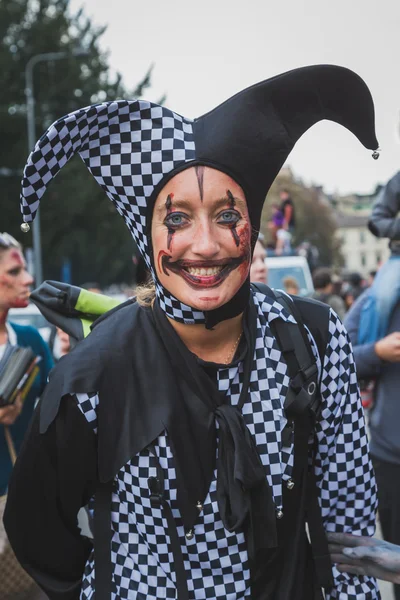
column 25, row 227
column 376, row 154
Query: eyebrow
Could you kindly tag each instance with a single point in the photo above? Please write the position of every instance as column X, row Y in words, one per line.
column 187, row 204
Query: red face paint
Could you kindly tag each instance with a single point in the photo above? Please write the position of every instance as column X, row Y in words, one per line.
column 17, row 257
column 244, row 242
column 14, row 281
column 162, row 261
column 20, row 303
column 232, row 204
column 6, row 281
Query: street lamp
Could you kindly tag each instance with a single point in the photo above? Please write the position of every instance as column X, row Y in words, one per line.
column 30, row 114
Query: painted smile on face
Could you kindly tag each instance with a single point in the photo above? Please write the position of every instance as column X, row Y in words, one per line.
column 201, row 274
column 201, row 237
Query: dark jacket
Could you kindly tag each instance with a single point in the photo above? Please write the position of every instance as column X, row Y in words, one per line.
column 383, row 221
column 385, row 416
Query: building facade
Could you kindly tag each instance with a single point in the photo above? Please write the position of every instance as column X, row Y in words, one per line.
column 362, row 251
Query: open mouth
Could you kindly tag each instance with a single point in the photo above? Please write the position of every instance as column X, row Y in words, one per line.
column 202, row 274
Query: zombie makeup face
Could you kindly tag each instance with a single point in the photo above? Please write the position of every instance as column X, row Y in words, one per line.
column 201, row 237
column 15, row 281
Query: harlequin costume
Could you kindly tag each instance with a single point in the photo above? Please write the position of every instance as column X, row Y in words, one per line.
column 205, row 486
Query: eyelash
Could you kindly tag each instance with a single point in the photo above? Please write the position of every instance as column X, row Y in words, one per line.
column 168, row 220
column 169, row 223
column 233, row 213
column 14, row 272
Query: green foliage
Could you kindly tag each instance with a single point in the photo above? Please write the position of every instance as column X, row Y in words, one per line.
column 315, row 219
column 78, row 221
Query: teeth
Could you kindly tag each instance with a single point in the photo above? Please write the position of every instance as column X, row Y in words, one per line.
column 204, row 272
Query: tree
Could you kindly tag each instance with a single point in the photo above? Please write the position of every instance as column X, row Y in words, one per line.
column 78, row 222
column 315, row 218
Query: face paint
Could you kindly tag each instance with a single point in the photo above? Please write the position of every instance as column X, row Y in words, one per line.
column 14, row 281
column 17, row 257
column 244, row 236
column 200, row 266
column 163, row 258
column 171, row 231
column 200, row 176
column 232, row 204
column 201, row 274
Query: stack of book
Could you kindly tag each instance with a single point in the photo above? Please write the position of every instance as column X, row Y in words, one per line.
column 18, row 370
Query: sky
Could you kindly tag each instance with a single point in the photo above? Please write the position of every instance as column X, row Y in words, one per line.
column 204, row 52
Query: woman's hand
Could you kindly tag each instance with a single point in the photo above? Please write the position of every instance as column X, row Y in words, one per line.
column 9, row 414
column 365, row 556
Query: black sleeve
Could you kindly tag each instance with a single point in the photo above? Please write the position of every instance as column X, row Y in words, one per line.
column 54, row 476
column 383, row 221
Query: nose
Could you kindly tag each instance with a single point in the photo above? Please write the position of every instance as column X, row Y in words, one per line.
column 205, row 242
column 28, row 279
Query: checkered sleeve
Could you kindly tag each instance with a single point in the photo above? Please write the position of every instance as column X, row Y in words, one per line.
column 87, row 404
column 344, row 473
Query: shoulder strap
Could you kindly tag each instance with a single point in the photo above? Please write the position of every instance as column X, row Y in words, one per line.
column 296, row 349
column 303, row 393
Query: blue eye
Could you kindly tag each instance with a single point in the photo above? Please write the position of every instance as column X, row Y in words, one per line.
column 175, row 219
column 229, row 217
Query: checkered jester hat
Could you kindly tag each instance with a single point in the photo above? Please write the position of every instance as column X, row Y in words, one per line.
column 133, row 147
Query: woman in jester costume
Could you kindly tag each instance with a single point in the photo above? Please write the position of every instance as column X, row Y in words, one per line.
column 183, row 421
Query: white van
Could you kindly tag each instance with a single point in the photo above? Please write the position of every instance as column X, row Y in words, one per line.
column 280, row 267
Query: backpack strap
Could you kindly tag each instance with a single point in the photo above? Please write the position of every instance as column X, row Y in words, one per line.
column 295, row 346
column 303, row 397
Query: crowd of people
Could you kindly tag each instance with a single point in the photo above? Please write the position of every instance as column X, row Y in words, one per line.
column 211, row 429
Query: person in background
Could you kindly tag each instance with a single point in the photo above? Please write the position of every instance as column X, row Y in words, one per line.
column 258, row 268
column 356, row 283
column 15, row 284
column 287, row 210
column 291, row 285
column 371, row 278
column 380, row 361
column 385, row 291
column 322, row 280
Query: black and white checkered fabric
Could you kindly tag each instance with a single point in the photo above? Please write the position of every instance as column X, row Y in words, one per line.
column 216, row 561
column 129, row 147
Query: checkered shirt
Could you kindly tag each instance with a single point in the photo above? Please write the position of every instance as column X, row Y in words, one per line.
column 216, row 561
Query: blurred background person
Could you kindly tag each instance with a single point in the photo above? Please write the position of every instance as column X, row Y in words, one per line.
column 283, row 242
column 323, row 284
column 287, row 210
column 15, row 284
column 377, row 362
column 291, row 285
column 385, row 290
column 258, row 269
column 371, row 277
column 353, row 287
